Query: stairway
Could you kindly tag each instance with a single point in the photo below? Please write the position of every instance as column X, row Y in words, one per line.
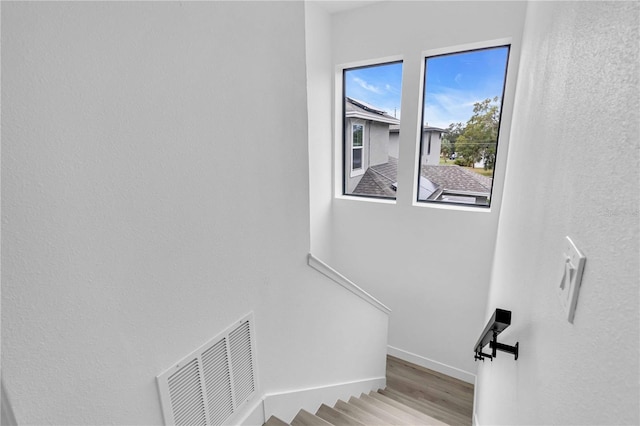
column 384, row 407
column 414, row 396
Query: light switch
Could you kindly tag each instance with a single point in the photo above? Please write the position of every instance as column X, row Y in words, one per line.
column 573, row 265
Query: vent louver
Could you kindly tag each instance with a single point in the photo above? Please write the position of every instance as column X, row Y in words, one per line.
column 240, row 346
column 214, row 382
column 217, row 379
column 186, row 395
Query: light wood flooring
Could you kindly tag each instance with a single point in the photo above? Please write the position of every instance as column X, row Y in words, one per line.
column 446, row 398
column 414, row 396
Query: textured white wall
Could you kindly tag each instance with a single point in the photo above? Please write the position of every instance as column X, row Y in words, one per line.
column 430, row 265
column 578, row 79
column 154, row 190
column 319, row 90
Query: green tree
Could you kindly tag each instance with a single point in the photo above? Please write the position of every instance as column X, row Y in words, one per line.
column 480, row 135
column 452, row 134
column 446, row 148
column 450, row 137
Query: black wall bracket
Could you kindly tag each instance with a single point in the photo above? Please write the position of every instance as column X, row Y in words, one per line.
column 500, row 320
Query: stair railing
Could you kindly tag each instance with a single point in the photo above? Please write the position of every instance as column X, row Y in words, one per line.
column 500, row 320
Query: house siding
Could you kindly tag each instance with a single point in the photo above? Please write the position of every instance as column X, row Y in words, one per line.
column 378, row 143
column 431, row 157
column 394, row 144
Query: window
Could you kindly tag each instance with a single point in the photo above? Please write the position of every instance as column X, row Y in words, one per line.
column 371, row 127
column 461, row 113
column 357, row 136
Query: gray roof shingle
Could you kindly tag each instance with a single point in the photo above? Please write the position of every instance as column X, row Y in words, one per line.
column 456, row 178
column 378, row 180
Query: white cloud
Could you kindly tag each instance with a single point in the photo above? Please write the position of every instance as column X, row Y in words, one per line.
column 448, row 105
column 392, row 89
column 368, row 86
column 437, row 118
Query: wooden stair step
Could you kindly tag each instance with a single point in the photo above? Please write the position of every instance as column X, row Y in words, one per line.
column 425, row 418
column 454, row 402
column 274, row 421
column 401, row 368
column 414, row 395
column 358, row 413
column 336, row 417
column 429, row 408
column 383, row 415
column 423, row 383
column 305, row 418
column 401, row 414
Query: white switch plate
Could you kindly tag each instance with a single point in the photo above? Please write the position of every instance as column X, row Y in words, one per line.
column 569, row 288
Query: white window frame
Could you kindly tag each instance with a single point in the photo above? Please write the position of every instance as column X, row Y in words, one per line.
column 339, row 151
column 505, row 123
column 360, row 171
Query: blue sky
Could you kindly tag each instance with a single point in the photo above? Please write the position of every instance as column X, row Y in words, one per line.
column 453, row 82
column 378, row 85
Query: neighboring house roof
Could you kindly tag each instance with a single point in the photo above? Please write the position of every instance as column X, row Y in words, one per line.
column 456, row 178
column 379, row 180
column 396, row 128
column 382, row 179
column 358, row 109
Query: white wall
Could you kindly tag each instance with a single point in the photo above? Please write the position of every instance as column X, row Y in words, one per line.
column 578, row 78
column 319, row 90
column 430, row 265
column 154, row 190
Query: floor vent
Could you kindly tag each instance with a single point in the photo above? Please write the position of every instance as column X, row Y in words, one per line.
column 211, row 384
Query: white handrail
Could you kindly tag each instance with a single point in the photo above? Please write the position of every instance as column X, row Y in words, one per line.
column 336, row 276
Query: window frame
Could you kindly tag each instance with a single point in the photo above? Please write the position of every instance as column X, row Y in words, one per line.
column 341, row 91
column 356, row 172
column 454, row 50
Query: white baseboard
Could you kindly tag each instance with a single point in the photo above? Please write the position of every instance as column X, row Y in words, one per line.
column 285, row 405
column 432, row 365
column 475, row 399
column 254, row 416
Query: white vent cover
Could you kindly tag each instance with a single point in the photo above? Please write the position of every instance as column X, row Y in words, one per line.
column 211, row 384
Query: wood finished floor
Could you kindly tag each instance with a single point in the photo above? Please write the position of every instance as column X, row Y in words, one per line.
column 414, row 396
column 446, row 398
